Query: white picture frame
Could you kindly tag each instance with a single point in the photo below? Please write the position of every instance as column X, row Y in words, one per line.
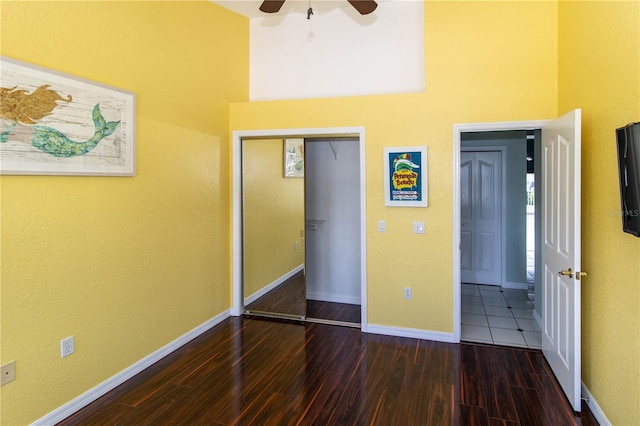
column 294, row 158
column 53, row 123
column 406, row 176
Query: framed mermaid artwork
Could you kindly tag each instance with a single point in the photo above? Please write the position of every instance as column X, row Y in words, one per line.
column 294, row 158
column 57, row 124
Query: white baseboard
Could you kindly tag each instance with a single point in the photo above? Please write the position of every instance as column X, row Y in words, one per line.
column 335, row 298
column 594, row 407
column 266, row 289
column 519, row 286
column 537, row 318
column 92, row 394
column 414, row 333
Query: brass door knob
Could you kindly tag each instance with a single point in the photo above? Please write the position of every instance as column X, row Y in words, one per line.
column 566, row 272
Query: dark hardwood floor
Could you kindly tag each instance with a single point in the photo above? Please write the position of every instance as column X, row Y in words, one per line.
column 333, row 311
column 263, row 372
column 289, row 298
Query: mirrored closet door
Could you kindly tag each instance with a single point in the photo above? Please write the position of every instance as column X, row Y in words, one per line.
column 301, row 229
column 273, row 227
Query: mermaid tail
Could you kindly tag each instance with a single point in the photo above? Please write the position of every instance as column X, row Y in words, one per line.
column 4, row 135
column 54, row 142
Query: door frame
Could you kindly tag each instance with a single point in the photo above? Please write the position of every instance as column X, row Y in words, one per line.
column 503, row 201
column 236, row 203
column 458, row 129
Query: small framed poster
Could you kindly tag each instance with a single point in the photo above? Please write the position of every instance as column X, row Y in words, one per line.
column 405, row 176
column 294, row 158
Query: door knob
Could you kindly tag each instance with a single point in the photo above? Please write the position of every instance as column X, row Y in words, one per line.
column 580, row 275
column 566, row 272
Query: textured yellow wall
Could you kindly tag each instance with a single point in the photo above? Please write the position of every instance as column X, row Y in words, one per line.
column 124, row 264
column 128, row 264
column 485, row 61
column 599, row 71
column 273, row 215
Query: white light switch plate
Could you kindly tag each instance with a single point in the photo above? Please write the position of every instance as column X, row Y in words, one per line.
column 418, row 227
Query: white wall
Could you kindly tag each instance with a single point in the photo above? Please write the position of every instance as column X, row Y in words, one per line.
column 338, row 52
column 332, row 194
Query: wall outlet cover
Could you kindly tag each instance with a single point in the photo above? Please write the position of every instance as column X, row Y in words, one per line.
column 7, row 373
column 67, row 346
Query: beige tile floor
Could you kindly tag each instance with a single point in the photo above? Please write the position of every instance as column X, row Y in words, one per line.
column 491, row 314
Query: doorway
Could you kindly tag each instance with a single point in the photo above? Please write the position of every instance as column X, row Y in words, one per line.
column 332, row 216
column 559, row 251
column 501, row 312
column 354, row 134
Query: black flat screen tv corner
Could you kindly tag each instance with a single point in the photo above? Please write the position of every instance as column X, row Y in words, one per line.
column 628, row 141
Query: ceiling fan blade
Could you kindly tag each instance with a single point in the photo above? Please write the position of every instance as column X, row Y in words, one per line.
column 364, row 6
column 271, row 6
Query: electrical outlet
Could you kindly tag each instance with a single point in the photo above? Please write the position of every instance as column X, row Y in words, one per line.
column 67, row 347
column 7, row 373
column 407, row 293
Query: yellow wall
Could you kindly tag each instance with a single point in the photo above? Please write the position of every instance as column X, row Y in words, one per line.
column 128, row 264
column 599, row 71
column 494, row 61
column 124, row 264
column 273, row 215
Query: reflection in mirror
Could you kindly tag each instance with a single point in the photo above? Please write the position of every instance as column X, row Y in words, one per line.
column 273, row 232
column 301, row 229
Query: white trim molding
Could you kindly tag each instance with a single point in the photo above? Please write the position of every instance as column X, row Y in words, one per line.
column 96, row 392
column 594, row 407
column 413, row 333
column 236, row 203
column 278, row 281
column 335, row 298
column 537, row 318
column 458, row 129
column 515, row 285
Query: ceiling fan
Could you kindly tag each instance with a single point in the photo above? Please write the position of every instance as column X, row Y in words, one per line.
column 364, row 7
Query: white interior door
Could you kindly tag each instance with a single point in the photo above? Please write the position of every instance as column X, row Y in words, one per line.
column 481, row 217
column 561, row 251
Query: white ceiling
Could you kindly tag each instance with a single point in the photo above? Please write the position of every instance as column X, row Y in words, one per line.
column 250, row 8
column 338, row 52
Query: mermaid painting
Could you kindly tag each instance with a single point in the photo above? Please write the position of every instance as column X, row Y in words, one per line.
column 53, row 123
column 20, row 112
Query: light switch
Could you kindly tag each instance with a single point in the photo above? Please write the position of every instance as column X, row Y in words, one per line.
column 382, row 226
column 418, row 227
